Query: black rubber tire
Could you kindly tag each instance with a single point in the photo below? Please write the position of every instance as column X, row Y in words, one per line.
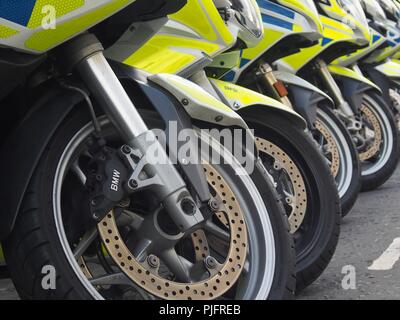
column 315, row 253
column 379, row 178
column 284, row 283
column 34, row 241
column 349, row 199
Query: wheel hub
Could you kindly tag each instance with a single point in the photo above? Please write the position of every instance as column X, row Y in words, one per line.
column 296, row 197
column 221, row 275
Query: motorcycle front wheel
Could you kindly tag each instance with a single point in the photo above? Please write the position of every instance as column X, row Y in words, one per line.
column 236, row 254
column 307, row 189
column 336, row 144
column 379, row 147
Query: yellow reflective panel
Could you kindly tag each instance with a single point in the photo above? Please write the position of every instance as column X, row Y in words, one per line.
column 203, row 17
column 391, row 68
column 301, row 7
column 245, row 96
column 61, row 7
column 349, row 73
column 167, row 54
column 271, row 37
column 7, row 32
column 47, row 39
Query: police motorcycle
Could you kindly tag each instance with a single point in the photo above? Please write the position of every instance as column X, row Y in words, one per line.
column 97, row 206
column 358, row 101
column 301, row 174
column 293, row 25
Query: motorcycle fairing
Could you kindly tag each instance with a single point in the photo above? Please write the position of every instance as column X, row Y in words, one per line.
column 189, row 38
column 391, row 69
column 353, row 85
column 342, row 72
column 240, row 99
column 377, row 40
column 22, row 22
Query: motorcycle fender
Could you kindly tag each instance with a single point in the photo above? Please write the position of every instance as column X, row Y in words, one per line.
column 385, row 76
column 390, row 69
column 240, row 99
column 197, row 102
column 305, row 96
column 22, row 150
column 353, row 85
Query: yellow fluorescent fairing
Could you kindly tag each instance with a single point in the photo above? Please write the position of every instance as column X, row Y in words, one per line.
column 335, row 11
column 240, row 98
column 334, row 32
column 337, row 70
column 272, row 37
column 171, row 51
column 42, row 32
column 390, row 68
column 201, row 105
column 376, row 41
column 299, row 6
column 396, row 56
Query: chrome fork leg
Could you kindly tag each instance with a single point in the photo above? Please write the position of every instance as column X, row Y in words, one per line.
column 344, row 109
column 334, row 89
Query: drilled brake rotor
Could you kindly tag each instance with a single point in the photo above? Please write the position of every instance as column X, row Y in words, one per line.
column 220, row 280
column 331, row 148
column 374, row 147
column 298, row 199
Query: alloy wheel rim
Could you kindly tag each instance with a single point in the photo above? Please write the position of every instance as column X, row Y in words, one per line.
column 293, row 187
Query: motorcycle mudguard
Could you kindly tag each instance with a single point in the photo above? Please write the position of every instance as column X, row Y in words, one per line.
column 386, row 74
column 197, row 102
column 353, row 85
column 241, row 99
column 305, row 96
column 390, row 69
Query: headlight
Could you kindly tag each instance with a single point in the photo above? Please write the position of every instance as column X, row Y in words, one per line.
column 248, row 15
column 354, row 8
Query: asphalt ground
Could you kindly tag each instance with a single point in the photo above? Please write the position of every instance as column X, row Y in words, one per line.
column 366, row 265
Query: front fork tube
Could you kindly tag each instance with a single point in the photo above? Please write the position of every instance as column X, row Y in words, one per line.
column 276, row 87
column 344, row 110
column 118, row 107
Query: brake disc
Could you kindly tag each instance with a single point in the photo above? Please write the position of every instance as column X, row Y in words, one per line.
column 84, row 268
column 331, row 147
column 374, row 147
column 221, row 278
column 298, row 199
column 395, row 97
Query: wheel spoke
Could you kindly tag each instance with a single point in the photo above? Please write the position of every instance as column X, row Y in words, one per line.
column 76, row 169
column 141, row 248
column 119, row 279
column 178, row 265
column 85, row 242
column 217, row 231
